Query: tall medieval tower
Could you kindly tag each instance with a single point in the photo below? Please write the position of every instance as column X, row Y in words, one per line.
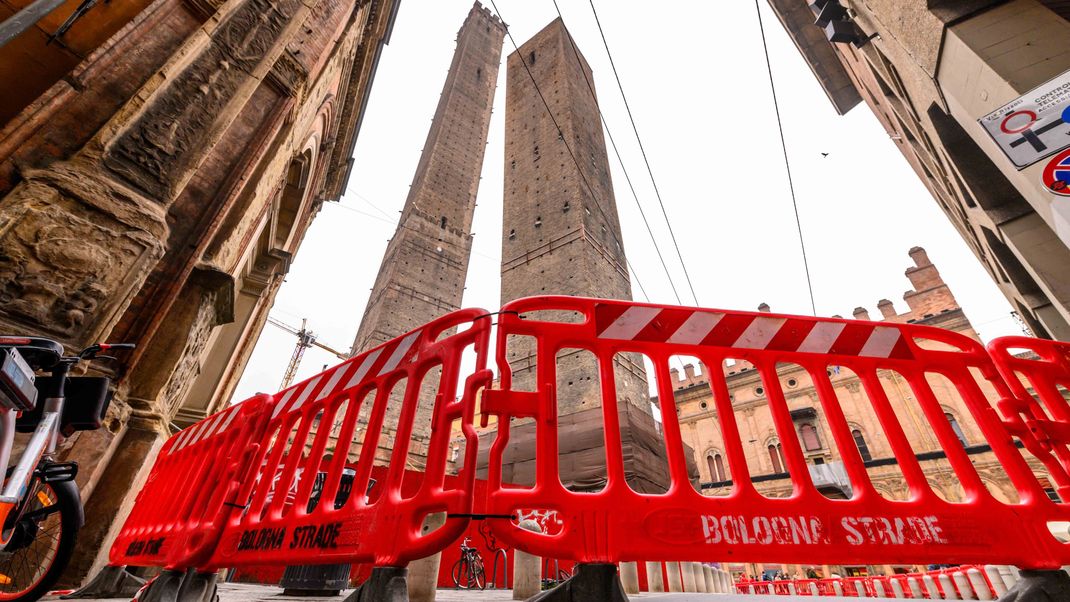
column 423, row 271
column 561, row 236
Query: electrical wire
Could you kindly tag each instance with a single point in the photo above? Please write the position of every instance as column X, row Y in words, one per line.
column 620, row 160
column 642, row 150
column 561, row 137
column 787, row 162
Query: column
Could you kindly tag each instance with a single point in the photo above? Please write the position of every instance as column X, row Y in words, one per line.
column 629, row 577
column 527, row 569
column 655, row 581
column 423, row 573
column 672, row 569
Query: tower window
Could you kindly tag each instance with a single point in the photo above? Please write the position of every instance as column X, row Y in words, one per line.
column 442, row 224
column 512, row 235
column 479, row 74
column 531, row 57
column 566, row 207
column 538, row 221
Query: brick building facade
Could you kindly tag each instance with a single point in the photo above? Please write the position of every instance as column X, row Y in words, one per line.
column 930, row 71
column 930, row 302
column 158, row 172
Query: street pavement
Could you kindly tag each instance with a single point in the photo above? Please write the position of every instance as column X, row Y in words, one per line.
column 242, row 592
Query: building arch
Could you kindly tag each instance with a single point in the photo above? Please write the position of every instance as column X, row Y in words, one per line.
column 775, row 452
column 715, row 465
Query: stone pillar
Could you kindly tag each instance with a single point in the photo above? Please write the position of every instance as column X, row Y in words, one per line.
column 629, row 577
column 700, row 577
column 688, row 570
column 110, row 505
column 655, row 581
column 527, row 569
column 672, row 569
column 707, row 576
column 423, row 573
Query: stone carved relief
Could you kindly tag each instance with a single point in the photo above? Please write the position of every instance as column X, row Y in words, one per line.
column 175, row 129
column 216, row 307
column 61, row 263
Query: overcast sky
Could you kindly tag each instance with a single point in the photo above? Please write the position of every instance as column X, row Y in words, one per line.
column 697, row 84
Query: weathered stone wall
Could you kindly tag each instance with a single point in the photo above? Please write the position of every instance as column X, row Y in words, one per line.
column 157, row 196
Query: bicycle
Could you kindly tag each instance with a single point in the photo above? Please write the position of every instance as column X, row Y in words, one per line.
column 40, row 508
column 468, row 570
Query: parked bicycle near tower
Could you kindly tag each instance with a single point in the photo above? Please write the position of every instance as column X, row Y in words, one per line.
column 40, row 507
column 468, row 572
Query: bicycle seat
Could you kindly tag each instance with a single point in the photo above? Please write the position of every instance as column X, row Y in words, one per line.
column 39, row 353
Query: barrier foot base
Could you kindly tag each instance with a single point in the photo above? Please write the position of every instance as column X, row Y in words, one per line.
column 387, row 584
column 181, row 586
column 112, row 581
column 1039, row 586
column 590, row 583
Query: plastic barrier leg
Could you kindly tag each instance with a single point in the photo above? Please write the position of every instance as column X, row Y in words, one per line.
column 113, row 581
column 386, row 584
column 589, row 583
column 1039, row 586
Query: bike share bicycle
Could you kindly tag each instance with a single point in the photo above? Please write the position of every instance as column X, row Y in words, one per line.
column 40, row 507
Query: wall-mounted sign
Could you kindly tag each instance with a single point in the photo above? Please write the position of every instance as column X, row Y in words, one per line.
column 1034, row 125
column 1056, row 174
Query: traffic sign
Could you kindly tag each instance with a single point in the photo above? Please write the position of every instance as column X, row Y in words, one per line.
column 1056, row 174
column 1034, row 125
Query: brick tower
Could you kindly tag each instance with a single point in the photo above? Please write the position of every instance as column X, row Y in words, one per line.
column 425, row 264
column 561, row 235
column 424, row 268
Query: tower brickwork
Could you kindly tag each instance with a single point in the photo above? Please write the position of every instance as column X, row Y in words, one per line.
column 560, row 230
column 561, row 236
column 423, row 271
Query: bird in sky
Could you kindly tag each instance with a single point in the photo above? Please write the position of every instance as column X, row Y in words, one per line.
column 824, row 154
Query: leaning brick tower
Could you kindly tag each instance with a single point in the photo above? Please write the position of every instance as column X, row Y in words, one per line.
column 561, row 236
column 426, row 262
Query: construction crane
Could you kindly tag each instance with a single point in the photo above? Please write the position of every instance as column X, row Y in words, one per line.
column 305, row 339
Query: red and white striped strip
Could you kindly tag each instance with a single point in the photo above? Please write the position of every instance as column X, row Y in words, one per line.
column 214, row 424
column 294, row 398
column 681, row 326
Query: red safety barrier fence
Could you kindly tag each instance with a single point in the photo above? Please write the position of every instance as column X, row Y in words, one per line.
column 969, row 582
column 1038, row 414
column 618, row 524
column 177, row 519
column 291, row 507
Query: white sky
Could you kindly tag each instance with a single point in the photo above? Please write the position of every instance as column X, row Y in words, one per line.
column 697, row 84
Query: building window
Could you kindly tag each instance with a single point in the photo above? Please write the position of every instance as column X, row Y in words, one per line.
column 809, row 437
column 863, row 448
column 776, row 456
column 442, row 223
column 538, row 221
column 479, row 74
column 512, row 234
column 716, row 465
column 956, row 427
column 531, row 57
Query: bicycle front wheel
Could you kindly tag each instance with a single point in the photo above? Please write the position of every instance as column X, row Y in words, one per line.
column 460, row 575
column 41, row 543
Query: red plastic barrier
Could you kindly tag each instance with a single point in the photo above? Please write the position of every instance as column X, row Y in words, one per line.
column 1040, row 420
column 176, row 519
column 618, row 524
column 237, row 489
column 381, row 526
